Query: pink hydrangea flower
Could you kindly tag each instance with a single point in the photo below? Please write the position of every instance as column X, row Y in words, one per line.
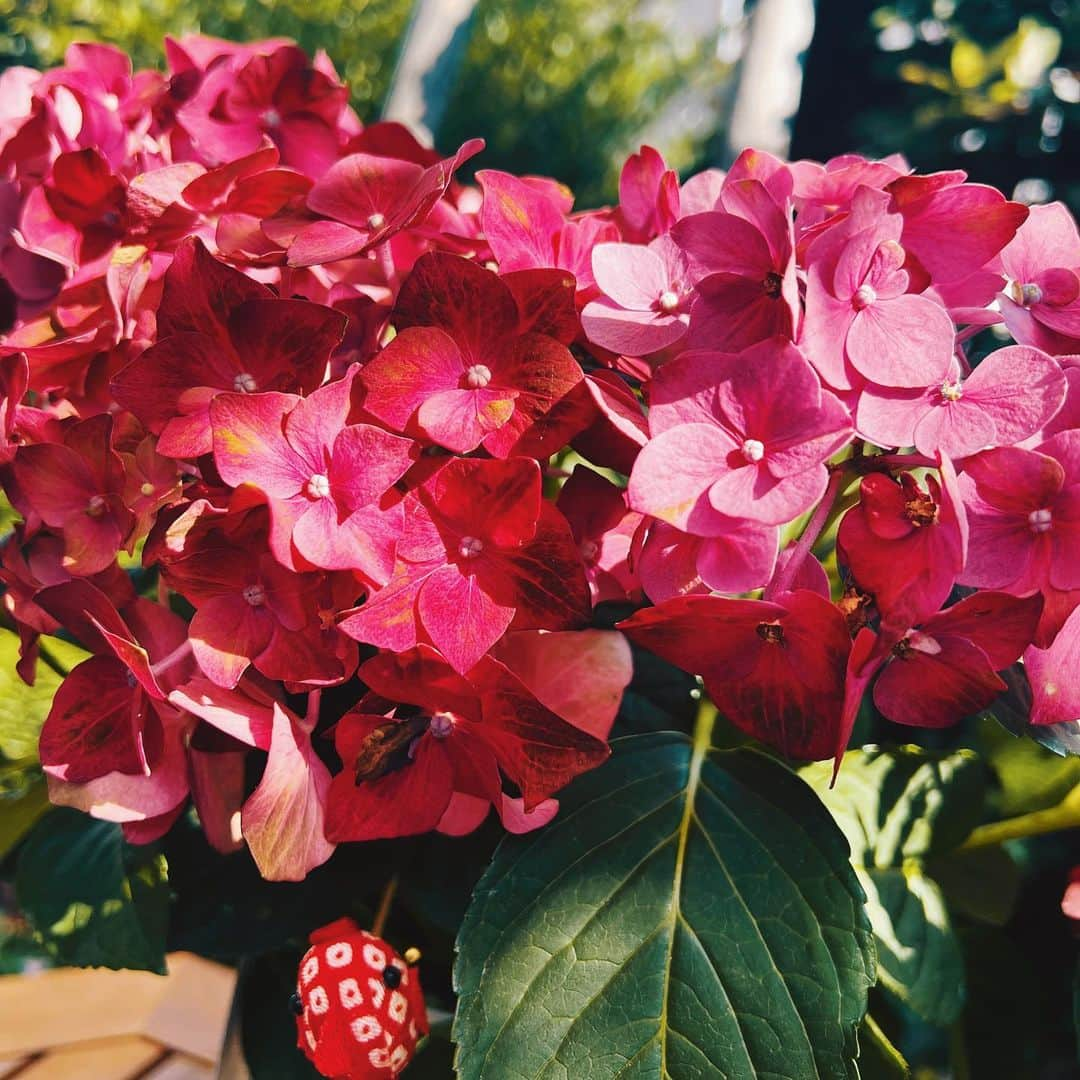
column 737, row 435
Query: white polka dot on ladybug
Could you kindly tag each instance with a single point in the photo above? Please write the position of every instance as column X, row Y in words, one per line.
column 398, row 1007
column 318, row 1001
column 340, row 954
column 379, row 1059
column 412, row 1029
column 378, row 992
column 349, row 991
column 310, row 969
column 311, row 1039
column 374, row 957
column 365, row 1028
column 398, row 1057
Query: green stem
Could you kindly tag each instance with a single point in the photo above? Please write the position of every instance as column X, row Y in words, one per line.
column 50, row 661
column 1064, row 816
column 704, row 723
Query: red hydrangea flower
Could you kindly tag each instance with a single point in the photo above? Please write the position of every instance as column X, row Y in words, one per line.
column 904, row 544
column 408, row 773
column 218, row 330
column 480, row 550
column 945, row 669
column 77, row 487
column 775, row 669
column 464, row 370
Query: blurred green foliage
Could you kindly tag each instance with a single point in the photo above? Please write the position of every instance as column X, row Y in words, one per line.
column 561, row 88
column 567, row 88
column 361, row 36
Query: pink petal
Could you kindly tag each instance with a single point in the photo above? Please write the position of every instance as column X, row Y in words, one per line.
column 250, row 445
column 906, row 341
column 282, row 820
column 674, row 471
column 632, row 275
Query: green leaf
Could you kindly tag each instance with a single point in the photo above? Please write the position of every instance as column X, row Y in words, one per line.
column 689, row 913
column 23, row 708
column 24, row 798
column 92, row 899
column 982, row 883
column 898, row 808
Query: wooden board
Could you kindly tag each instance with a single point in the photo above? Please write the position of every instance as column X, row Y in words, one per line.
column 68, row 1011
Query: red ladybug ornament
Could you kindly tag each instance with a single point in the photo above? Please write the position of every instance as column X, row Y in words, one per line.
column 359, row 1006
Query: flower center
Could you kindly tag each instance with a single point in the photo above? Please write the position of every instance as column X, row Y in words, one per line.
column 589, row 550
column 255, row 595
column 865, row 295
column 271, row 118
column 1028, row 293
column 245, row 383
column 668, row 301
column 442, row 723
column 772, row 284
column 477, row 376
column 951, row 391
column 919, row 506
column 318, row 487
column 1040, row 521
column 470, row 547
column 753, row 450
column 146, row 488
column 771, row 633
column 376, row 221
column 96, row 506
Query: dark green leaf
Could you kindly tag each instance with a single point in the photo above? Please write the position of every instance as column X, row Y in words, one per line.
column 1013, row 708
column 268, row 1027
column 897, row 808
column 687, row 914
column 981, row 883
column 92, row 899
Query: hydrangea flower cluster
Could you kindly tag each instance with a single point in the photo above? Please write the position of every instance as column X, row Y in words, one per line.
column 285, row 411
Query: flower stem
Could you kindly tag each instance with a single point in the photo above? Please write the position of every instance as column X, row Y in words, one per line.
column 781, row 583
column 383, row 912
column 1066, row 815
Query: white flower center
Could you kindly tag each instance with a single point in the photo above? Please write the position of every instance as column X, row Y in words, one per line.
column 245, row 383
column 1040, row 521
column 255, row 595
column 477, row 376
column 441, row 725
column 669, row 301
column 318, row 487
column 1030, row 293
column 376, row 221
column 96, row 506
column 271, row 118
column 753, row 450
column 865, row 295
column 470, row 547
column 952, row 391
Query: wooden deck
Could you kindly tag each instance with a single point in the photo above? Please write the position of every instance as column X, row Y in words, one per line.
column 74, row 1024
